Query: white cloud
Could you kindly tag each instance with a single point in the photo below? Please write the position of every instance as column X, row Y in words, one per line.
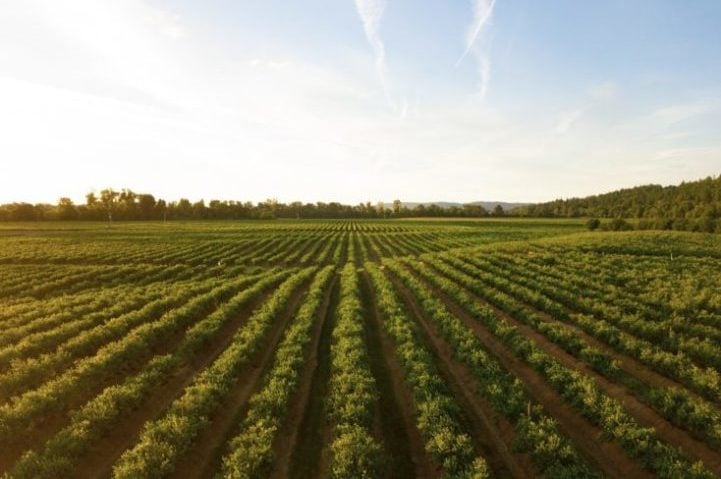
column 371, row 13
column 674, row 114
column 566, row 120
column 482, row 13
column 100, row 93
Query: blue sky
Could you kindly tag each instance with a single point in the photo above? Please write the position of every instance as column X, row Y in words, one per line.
column 357, row 100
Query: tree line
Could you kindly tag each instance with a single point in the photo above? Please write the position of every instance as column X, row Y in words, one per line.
column 112, row 205
column 694, row 205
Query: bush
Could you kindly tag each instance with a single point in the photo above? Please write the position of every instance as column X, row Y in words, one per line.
column 619, row 224
column 593, row 223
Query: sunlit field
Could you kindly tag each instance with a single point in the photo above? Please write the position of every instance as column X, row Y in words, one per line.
column 412, row 348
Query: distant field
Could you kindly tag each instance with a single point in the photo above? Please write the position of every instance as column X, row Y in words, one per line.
column 402, row 348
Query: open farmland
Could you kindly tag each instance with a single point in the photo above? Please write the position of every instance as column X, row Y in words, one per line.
column 437, row 348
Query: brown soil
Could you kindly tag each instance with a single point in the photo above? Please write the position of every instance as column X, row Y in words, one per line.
column 51, row 422
column 98, row 461
column 381, row 249
column 306, row 407
column 204, row 457
column 307, row 458
column 394, row 420
column 609, row 457
column 372, row 253
column 493, row 434
column 629, row 364
column 644, row 414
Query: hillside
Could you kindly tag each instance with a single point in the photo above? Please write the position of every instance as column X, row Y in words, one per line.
column 689, row 200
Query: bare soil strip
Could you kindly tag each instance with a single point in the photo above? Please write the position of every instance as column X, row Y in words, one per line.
column 304, row 404
column 394, row 421
column 493, row 434
column 629, row 364
column 372, row 252
column 203, row 459
column 312, row 430
column 54, row 421
column 644, row 414
column 607, row 456
column 98, row 461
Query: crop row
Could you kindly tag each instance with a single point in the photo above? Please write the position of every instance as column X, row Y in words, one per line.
column 164, row 440
column 89, row 423
column 17, row 416
column 353, row 393
column 704, row 381
column 675, row 404
column 536, row 431
column 251, row 450
column 640, row 443
column 435, row 409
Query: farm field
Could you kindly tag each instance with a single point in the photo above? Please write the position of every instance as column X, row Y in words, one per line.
column 397, row 348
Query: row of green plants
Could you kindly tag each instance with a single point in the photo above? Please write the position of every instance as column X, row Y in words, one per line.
column 436, row 412
column 51, row 336
column 694, row 335
column 63, row 309
column 674, row 333
column 320, row 250
column 311, row 243
column 65, row 280
column 675, row 404
column 582, row 392
column 324, row 253
column 536, row 432
column 18, row 416
column 30, row 372
column 250, row 452
column 660, row 332
column 19, row 275
column 89, row 423
column 355, row 453
column 164, row 440
column 703, row 381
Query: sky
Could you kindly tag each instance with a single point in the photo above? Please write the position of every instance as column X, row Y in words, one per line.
column 356, row 100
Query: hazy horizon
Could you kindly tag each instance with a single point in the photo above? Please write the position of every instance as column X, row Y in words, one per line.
column 350, row 101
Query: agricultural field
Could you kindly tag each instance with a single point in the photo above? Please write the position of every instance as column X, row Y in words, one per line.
column 352, row 349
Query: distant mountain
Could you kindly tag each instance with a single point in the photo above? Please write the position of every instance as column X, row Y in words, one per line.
column 488, row 205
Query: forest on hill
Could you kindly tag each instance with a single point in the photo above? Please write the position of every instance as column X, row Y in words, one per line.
column 689, row 200
column 694, row 206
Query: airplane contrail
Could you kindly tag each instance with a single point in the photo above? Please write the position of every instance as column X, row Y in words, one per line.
column 482, row 11
column 371, row 13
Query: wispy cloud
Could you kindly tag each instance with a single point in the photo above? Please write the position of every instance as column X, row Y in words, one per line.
column 671, row 115
column 482, row 13
column 566, row 120
column 371, row 13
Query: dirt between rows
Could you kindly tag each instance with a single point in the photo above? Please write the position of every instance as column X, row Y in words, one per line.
column 203, row 459
column 394, row 419
column 644, row 414
column 98, row 461
column 305, row 406
column 608, row 457
column 629, row 364
column 372, row 253
column 493, row 434
column 52, row 422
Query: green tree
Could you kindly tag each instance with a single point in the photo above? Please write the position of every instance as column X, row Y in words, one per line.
column 66, row 209
column 593, row 223
column 397, row 204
